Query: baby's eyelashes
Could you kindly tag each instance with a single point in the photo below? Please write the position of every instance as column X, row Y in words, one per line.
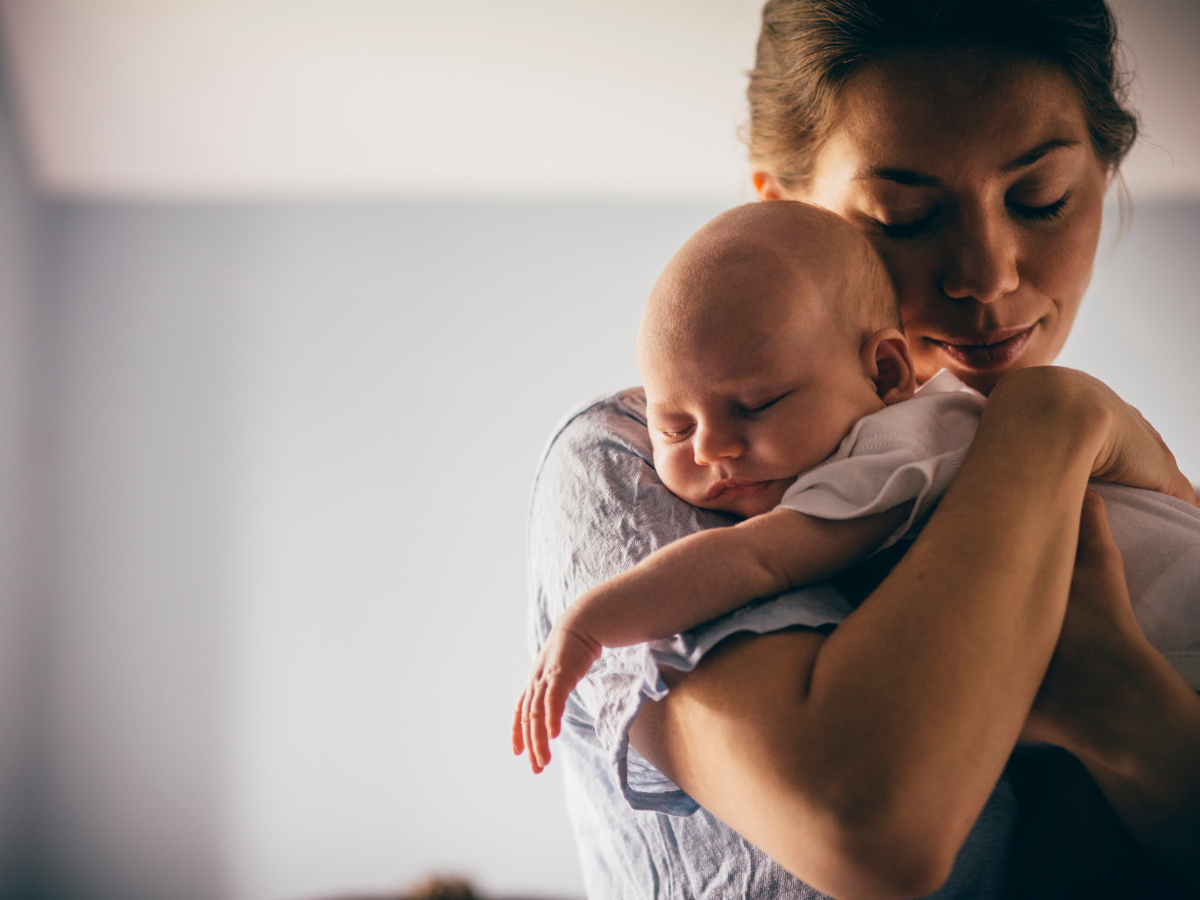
column 758, row 406
column 673, row 431
column 675, row 435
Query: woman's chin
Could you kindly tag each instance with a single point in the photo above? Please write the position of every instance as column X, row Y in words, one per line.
column 981, row 379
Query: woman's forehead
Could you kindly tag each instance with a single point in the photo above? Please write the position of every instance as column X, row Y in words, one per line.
column 934, row 114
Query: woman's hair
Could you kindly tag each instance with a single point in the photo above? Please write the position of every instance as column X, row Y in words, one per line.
column 808, row 49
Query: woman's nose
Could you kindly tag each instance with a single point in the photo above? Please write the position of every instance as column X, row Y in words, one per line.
column 983, row 260
column 714, row 443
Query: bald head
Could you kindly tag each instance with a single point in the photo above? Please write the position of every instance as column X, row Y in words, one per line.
column 763, row 268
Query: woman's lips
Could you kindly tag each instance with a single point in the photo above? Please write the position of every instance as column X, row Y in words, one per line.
column 735, row 487
column 994, row 350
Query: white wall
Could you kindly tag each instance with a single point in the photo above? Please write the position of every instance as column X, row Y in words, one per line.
column 19, row 263
column 1139, row 326
column 293, row 452
column 256, row 99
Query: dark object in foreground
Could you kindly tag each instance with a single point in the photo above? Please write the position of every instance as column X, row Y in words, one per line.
column 446, row 887
column 1070, row 843
column 442, row 889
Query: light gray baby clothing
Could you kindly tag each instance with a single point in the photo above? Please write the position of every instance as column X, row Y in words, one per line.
column 912, row 451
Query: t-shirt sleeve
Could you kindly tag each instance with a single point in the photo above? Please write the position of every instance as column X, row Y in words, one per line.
column 598, row 508
column 909, row 451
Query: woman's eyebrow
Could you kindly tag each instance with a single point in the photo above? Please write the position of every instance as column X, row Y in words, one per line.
column 900, row 176
column 909, row 178
column 1028, row 159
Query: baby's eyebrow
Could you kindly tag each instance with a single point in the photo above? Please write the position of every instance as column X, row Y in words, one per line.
column 660, row 412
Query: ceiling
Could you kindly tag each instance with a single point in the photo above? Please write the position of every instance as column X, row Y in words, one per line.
column 234, row 99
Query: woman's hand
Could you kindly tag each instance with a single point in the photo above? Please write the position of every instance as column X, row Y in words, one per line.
column 1100, row 649
column 1114, row 702
column 1130, row 450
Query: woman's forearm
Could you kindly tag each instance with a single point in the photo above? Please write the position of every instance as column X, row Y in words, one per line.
column 926, row 688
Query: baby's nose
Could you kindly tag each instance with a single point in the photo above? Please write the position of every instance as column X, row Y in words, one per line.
column 715, row 443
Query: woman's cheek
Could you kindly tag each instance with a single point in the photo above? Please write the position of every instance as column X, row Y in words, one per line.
column 912, row 272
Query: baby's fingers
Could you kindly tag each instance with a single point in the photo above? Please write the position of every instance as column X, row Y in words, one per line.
column 518, row 739
column 537, row 725
column 526, row 732
column 556, row 704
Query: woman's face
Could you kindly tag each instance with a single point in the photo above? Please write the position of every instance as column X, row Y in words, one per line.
column 975, row 179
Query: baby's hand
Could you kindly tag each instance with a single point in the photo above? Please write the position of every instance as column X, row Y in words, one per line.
column 562, row 662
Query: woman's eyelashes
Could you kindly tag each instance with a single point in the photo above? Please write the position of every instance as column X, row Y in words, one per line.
column 927, row 222
column 912, row 229
column 1040, row 213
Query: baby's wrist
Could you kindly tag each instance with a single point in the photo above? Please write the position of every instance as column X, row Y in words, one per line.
column 576, row 621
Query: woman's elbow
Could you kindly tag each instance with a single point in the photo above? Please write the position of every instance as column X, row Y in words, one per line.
column 894, row 866
column 875, row 854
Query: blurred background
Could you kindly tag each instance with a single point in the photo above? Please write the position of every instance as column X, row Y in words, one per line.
column 291, row 296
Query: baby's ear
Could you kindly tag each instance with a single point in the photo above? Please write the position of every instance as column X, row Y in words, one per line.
column 888, row 362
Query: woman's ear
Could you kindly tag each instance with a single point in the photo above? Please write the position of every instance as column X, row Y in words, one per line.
column 766, row 185
column 887, row 361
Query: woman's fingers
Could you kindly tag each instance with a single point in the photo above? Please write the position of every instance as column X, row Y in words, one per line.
column 1099, row 578
column 1096, row 545
column 1099, row 643
column 1135, row 453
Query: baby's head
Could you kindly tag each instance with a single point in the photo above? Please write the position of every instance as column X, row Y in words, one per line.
column 769, row 334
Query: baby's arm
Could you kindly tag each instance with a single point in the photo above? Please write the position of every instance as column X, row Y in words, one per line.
column 685, row 584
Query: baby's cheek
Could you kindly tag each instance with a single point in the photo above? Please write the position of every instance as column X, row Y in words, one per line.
column 672, row 470
column 683, row 478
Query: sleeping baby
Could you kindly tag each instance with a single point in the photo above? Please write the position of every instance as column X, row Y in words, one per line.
column 780, row 388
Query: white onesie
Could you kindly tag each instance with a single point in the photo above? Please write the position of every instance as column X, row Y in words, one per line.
column 912, row 450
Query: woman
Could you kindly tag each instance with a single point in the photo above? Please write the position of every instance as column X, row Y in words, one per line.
column 974, row 148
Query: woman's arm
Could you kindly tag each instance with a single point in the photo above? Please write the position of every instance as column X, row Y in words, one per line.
column 860, row 761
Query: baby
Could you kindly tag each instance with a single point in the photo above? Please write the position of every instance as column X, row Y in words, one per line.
column 780, row 388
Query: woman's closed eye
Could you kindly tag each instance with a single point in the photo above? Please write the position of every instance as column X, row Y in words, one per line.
column 911, row 229
column 1040, row 213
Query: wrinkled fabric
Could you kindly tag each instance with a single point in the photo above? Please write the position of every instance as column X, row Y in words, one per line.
column 913, row 450
column 906, row 451
column 597, row 509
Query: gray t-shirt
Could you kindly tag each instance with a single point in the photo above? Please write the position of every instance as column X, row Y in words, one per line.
column 598, row 508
